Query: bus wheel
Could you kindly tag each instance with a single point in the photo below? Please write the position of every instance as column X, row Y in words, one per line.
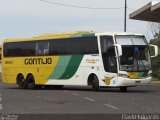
column 31, row 82
column 22, row 84
column 123, row 89
column 95, row 84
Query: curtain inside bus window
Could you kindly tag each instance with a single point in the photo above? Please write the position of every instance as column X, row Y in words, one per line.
column 42, row 48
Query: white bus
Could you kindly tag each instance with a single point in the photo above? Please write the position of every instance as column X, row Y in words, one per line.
column 80, row 58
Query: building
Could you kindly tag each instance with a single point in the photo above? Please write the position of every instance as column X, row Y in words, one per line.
column 150, row 12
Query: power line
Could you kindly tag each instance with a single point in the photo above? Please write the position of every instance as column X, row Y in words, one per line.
column 75, row 6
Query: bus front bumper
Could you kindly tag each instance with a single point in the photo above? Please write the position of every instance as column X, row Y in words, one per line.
column 133, row 82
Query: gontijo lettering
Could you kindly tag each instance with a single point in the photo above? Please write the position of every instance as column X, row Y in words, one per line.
column 31, row 61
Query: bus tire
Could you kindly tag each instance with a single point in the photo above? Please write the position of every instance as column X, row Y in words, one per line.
column 95, row 83
column 123, row 89
column 30, row 81
column 21, row 82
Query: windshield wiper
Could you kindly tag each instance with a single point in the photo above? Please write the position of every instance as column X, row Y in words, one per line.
column 140, row 60
column 136, row 51
column 143, row 65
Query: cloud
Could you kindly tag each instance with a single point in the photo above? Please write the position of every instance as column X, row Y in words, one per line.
column 26, row 18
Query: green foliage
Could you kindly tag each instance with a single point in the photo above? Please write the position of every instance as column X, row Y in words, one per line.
column 156, row 60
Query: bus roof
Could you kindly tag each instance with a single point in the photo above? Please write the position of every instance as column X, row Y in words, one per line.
column 117, row 33
column 54, row 36
column 67, row 35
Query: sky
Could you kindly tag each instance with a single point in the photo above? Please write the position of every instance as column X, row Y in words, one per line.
column 28, row 18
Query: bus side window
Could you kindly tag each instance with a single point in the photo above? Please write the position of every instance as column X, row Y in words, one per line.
column 108, row 54
column 42, row 48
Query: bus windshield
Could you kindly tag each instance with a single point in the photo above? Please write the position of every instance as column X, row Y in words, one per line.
column 135, row 53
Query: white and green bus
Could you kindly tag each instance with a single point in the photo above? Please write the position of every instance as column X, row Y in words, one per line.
column 79, row 58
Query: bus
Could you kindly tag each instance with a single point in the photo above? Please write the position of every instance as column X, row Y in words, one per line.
column 78, row 58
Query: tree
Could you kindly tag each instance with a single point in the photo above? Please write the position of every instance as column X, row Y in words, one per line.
column 155, row 29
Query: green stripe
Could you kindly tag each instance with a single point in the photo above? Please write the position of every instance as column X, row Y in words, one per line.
column 60, row 67
column 83, row 35
column 66, row 67
column 143, row 74
column 74, row 36
column 72, row 67
column 88, row 35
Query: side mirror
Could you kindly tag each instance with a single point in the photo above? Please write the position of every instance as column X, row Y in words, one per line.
column 155, row 50
column 119, row 49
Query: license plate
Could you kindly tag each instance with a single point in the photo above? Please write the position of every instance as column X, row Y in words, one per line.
column 137, row 82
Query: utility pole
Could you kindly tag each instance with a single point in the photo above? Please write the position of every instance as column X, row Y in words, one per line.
column 125, row 16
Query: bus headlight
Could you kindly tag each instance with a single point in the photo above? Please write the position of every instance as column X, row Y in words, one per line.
column 123, row 75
